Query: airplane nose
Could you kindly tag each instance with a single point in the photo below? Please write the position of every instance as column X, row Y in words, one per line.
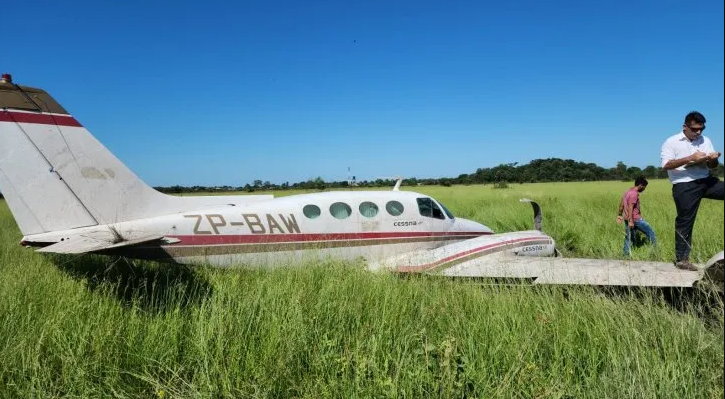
column 465, row 225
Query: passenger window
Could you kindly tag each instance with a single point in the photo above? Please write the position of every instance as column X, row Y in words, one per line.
column 427, row 207
column 311, row 211
column 394, row 208
column 368, row 209
column 340, row 210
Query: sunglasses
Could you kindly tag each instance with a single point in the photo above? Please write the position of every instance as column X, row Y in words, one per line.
column 696, row 129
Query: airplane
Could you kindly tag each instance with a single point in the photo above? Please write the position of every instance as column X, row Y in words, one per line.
column 70, row 195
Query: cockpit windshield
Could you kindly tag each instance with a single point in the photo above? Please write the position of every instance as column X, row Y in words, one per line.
column 450, row 215
column 427, row 207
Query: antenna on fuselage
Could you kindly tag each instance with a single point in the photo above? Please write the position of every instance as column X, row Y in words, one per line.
column 398, row 183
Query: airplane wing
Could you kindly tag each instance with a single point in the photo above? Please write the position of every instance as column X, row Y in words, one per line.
column 528, row 255
column 579, row 271
column 90, row 243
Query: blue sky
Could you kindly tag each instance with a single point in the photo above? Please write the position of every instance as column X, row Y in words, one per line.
column 215, row 93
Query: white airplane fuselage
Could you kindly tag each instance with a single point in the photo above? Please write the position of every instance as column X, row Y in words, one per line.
column 343, row 224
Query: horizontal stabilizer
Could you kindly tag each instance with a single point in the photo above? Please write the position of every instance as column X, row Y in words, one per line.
column 87, row 244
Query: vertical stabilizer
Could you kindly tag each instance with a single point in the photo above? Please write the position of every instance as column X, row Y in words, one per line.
column 57, row 176
column 37, row 196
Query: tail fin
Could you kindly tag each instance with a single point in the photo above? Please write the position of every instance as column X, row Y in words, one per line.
column 56, row 175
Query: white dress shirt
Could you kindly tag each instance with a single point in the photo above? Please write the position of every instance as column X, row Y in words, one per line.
column 679, row 146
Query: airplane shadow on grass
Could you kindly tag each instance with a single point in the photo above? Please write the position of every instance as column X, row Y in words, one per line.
column 154, row 287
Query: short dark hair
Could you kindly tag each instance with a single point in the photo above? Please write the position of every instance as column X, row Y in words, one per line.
column 696, row 117
column 641, row 180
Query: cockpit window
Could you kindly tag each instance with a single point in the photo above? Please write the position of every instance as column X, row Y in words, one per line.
column 429, row 208
column 448, row 213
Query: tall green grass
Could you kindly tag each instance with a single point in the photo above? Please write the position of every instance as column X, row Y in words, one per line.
column 581, row 217
column 88, row 327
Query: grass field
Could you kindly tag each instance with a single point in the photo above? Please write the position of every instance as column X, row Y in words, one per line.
column 87, row 327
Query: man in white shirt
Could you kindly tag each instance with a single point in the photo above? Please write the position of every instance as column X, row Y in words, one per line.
column 688, row 157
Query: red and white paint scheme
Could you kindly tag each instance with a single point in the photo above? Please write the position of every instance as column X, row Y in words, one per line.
column 69, row 194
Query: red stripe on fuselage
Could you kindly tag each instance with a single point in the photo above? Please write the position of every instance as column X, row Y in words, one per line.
column 219, row 239
column 41, row 119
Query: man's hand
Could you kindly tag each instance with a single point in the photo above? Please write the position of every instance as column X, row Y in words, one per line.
column 712, row 159
column 631, row 224
column 619, row 219
column 698, row 157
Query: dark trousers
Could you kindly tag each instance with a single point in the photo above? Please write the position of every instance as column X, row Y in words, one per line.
column 687, row 200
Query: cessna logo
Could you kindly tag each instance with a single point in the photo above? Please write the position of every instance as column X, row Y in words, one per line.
column 533, row 248
column 405, row 223
column 268, row 224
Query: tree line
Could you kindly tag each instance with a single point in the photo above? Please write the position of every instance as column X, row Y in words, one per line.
column 536, row 171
